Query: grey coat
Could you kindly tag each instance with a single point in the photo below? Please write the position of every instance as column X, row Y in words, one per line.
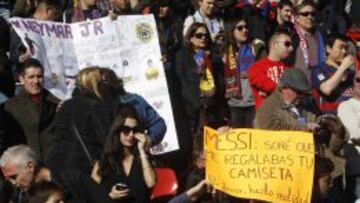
column 275, row 114
column 30, row 123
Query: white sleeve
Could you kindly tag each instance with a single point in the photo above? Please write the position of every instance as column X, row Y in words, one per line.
column 350, row 119
column 187, row 23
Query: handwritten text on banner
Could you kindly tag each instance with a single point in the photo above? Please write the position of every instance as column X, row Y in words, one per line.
column 273, row 166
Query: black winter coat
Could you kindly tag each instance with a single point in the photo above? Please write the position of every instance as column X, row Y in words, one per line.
column 186, row 67
column 92, row 118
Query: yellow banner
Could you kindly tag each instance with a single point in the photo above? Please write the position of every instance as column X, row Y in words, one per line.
column 276, row 166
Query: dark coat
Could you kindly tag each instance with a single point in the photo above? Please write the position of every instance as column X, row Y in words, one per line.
column 92, row 118
column 30, row 123
column 185, row 67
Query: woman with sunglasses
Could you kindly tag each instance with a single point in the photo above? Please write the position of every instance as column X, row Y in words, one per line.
column 200, row 80
column 124, row 172
column 239, row 55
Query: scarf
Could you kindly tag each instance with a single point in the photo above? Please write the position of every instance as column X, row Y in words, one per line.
column 304, row 46
column 204, row 69
column 36, row 98
column 235, row 66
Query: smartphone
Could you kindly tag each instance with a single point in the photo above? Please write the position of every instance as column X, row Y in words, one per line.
column 120, row 186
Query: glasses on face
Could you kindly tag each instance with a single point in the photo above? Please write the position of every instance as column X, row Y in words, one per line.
column 127, row 129
column 308, row 13
column 286, row 43
column 200, row 35
column 241, row 27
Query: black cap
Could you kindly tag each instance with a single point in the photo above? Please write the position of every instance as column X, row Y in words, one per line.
column 295, row 79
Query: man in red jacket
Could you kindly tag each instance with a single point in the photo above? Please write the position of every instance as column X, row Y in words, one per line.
column 265, row 73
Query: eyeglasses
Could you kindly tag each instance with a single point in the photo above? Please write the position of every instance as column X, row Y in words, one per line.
column 286, row 43
column 357, row 80
column 308, row 13
column 127, row 129
column 200, row 35
column 241, row 27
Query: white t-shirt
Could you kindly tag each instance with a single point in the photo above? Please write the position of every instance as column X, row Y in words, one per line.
column 349, row 114
column 214, row 25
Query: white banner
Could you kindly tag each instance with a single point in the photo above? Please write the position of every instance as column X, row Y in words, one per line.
column 129, row 46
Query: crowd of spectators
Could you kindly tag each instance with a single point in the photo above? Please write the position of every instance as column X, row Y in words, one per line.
column 266, row 64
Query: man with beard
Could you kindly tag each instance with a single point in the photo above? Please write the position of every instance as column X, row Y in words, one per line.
column 283, row 15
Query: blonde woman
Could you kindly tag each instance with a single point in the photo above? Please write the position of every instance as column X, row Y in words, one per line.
column 81, row 126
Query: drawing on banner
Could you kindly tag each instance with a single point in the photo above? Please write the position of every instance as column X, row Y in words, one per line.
column 144, row 32
column 55, row 79
column 158, row 105
column 152, row 71
column 125, row 63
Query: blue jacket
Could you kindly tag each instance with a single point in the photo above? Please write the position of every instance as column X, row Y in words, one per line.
column 151, row 120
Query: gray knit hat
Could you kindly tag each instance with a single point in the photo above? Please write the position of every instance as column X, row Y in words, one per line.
column 295, row 79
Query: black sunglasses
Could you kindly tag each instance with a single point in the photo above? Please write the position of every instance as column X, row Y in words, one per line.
column 307, row 13
column 200, row 35
column 357, row 80
column 126, row 129
column 241, row 27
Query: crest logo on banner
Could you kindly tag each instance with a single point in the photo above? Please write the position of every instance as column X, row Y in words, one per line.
column 144, row 32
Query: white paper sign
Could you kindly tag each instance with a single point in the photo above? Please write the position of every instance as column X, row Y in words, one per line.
column 129, row 46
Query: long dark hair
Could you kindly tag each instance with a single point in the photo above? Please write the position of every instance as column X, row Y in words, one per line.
column 230, row 27
column 330, row 128
column 190, row 33
column 113, row 153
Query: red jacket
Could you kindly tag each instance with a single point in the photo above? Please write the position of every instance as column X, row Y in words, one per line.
column 263, row 77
